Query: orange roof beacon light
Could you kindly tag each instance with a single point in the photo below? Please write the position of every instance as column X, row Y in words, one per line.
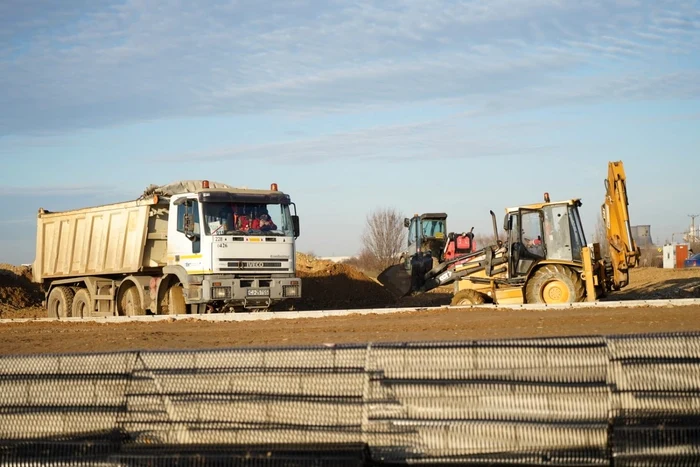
column 546, row 197
column 273, row 187
column 205, row 184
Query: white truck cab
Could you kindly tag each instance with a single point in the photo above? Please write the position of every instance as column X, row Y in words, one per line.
column 236, row 246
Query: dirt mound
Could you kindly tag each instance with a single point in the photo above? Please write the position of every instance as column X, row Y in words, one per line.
column 329, row 285
column 17, row 290
column 657, row 283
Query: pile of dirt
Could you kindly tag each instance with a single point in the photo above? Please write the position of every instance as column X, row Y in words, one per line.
column 656, row 283
column 329, row 285
column 17, row 290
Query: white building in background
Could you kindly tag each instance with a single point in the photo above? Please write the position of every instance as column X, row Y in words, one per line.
column 335, row 259
column 675, row 255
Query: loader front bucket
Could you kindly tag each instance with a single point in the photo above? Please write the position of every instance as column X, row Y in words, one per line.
column 396, row 280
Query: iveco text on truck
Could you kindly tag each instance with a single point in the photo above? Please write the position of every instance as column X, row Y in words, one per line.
column 192, row 246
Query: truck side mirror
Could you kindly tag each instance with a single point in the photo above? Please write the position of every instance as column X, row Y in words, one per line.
column 406, row 222
column 188, row 224
column 189, row 227
column 295, row 223
column 188, row 221
column 508, row 223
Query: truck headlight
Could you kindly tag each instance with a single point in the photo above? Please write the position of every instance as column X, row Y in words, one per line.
column 290, row 290
column 220, row 293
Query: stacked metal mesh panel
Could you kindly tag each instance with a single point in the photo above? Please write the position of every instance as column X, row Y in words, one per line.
column 538, row 401
column 621, row 400
column 655, row 404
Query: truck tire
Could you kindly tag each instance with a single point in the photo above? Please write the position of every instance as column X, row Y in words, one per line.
column 130, row 302
column 555, row 284
column 81, row 304
column 176, row 300
column 468, row 297
column 60, row 302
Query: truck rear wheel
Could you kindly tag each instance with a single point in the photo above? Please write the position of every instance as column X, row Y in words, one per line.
column 130, row 302
column 468, row 297
column 60, row 302
column 81, row 304
column 554, row 284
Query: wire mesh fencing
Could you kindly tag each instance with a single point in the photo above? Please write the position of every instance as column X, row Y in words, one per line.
column 612, row 400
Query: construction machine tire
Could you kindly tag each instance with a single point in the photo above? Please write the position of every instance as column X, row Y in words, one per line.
column 81, row 304
column 60, row 302
column 468, row 297
column 555, row 284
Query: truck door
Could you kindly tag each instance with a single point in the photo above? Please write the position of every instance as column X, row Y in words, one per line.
column 527, row 245
column 184, row 235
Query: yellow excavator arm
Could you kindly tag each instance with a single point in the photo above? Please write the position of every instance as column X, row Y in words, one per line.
column 624, row 253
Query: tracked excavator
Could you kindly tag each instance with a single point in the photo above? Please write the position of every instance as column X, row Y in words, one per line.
column 544, row 257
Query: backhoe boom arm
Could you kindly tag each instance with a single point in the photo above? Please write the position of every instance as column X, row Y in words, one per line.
column 624, row 253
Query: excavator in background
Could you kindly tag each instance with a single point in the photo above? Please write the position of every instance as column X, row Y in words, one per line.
column 544, row 259
column 427, row 234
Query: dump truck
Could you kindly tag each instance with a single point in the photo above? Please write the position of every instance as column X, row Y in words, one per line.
column 545, row 257
column 192, row 246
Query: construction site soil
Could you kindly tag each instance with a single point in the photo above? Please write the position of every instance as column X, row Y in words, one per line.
column 328, row 285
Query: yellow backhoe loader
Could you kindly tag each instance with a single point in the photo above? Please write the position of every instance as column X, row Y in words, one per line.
column 544, row 259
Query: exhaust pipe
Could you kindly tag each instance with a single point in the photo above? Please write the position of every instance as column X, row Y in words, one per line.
column 495, row 228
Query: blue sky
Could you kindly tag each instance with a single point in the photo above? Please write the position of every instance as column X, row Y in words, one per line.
column 455, row 106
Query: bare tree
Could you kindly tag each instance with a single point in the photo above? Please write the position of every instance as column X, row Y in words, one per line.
column 483, row 240
column 384, row 236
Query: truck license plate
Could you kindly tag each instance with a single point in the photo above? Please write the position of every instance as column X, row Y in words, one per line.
column 258, row 292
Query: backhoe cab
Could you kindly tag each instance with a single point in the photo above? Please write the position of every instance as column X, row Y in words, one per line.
column 544, row 258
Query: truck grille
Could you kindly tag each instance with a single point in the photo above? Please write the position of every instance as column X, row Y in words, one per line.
column 253, row 264
column 231, row 264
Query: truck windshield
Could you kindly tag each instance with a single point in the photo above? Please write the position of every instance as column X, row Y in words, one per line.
column 247, row 219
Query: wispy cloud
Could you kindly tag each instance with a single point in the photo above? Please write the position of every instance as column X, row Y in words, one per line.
column 88, row 64
column 58, row 190
column 16, row 221
column 438, row 139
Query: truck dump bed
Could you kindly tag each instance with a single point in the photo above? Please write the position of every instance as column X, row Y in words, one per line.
column 119, row 238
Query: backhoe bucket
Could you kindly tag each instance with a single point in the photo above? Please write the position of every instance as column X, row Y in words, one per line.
column 396, row 280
